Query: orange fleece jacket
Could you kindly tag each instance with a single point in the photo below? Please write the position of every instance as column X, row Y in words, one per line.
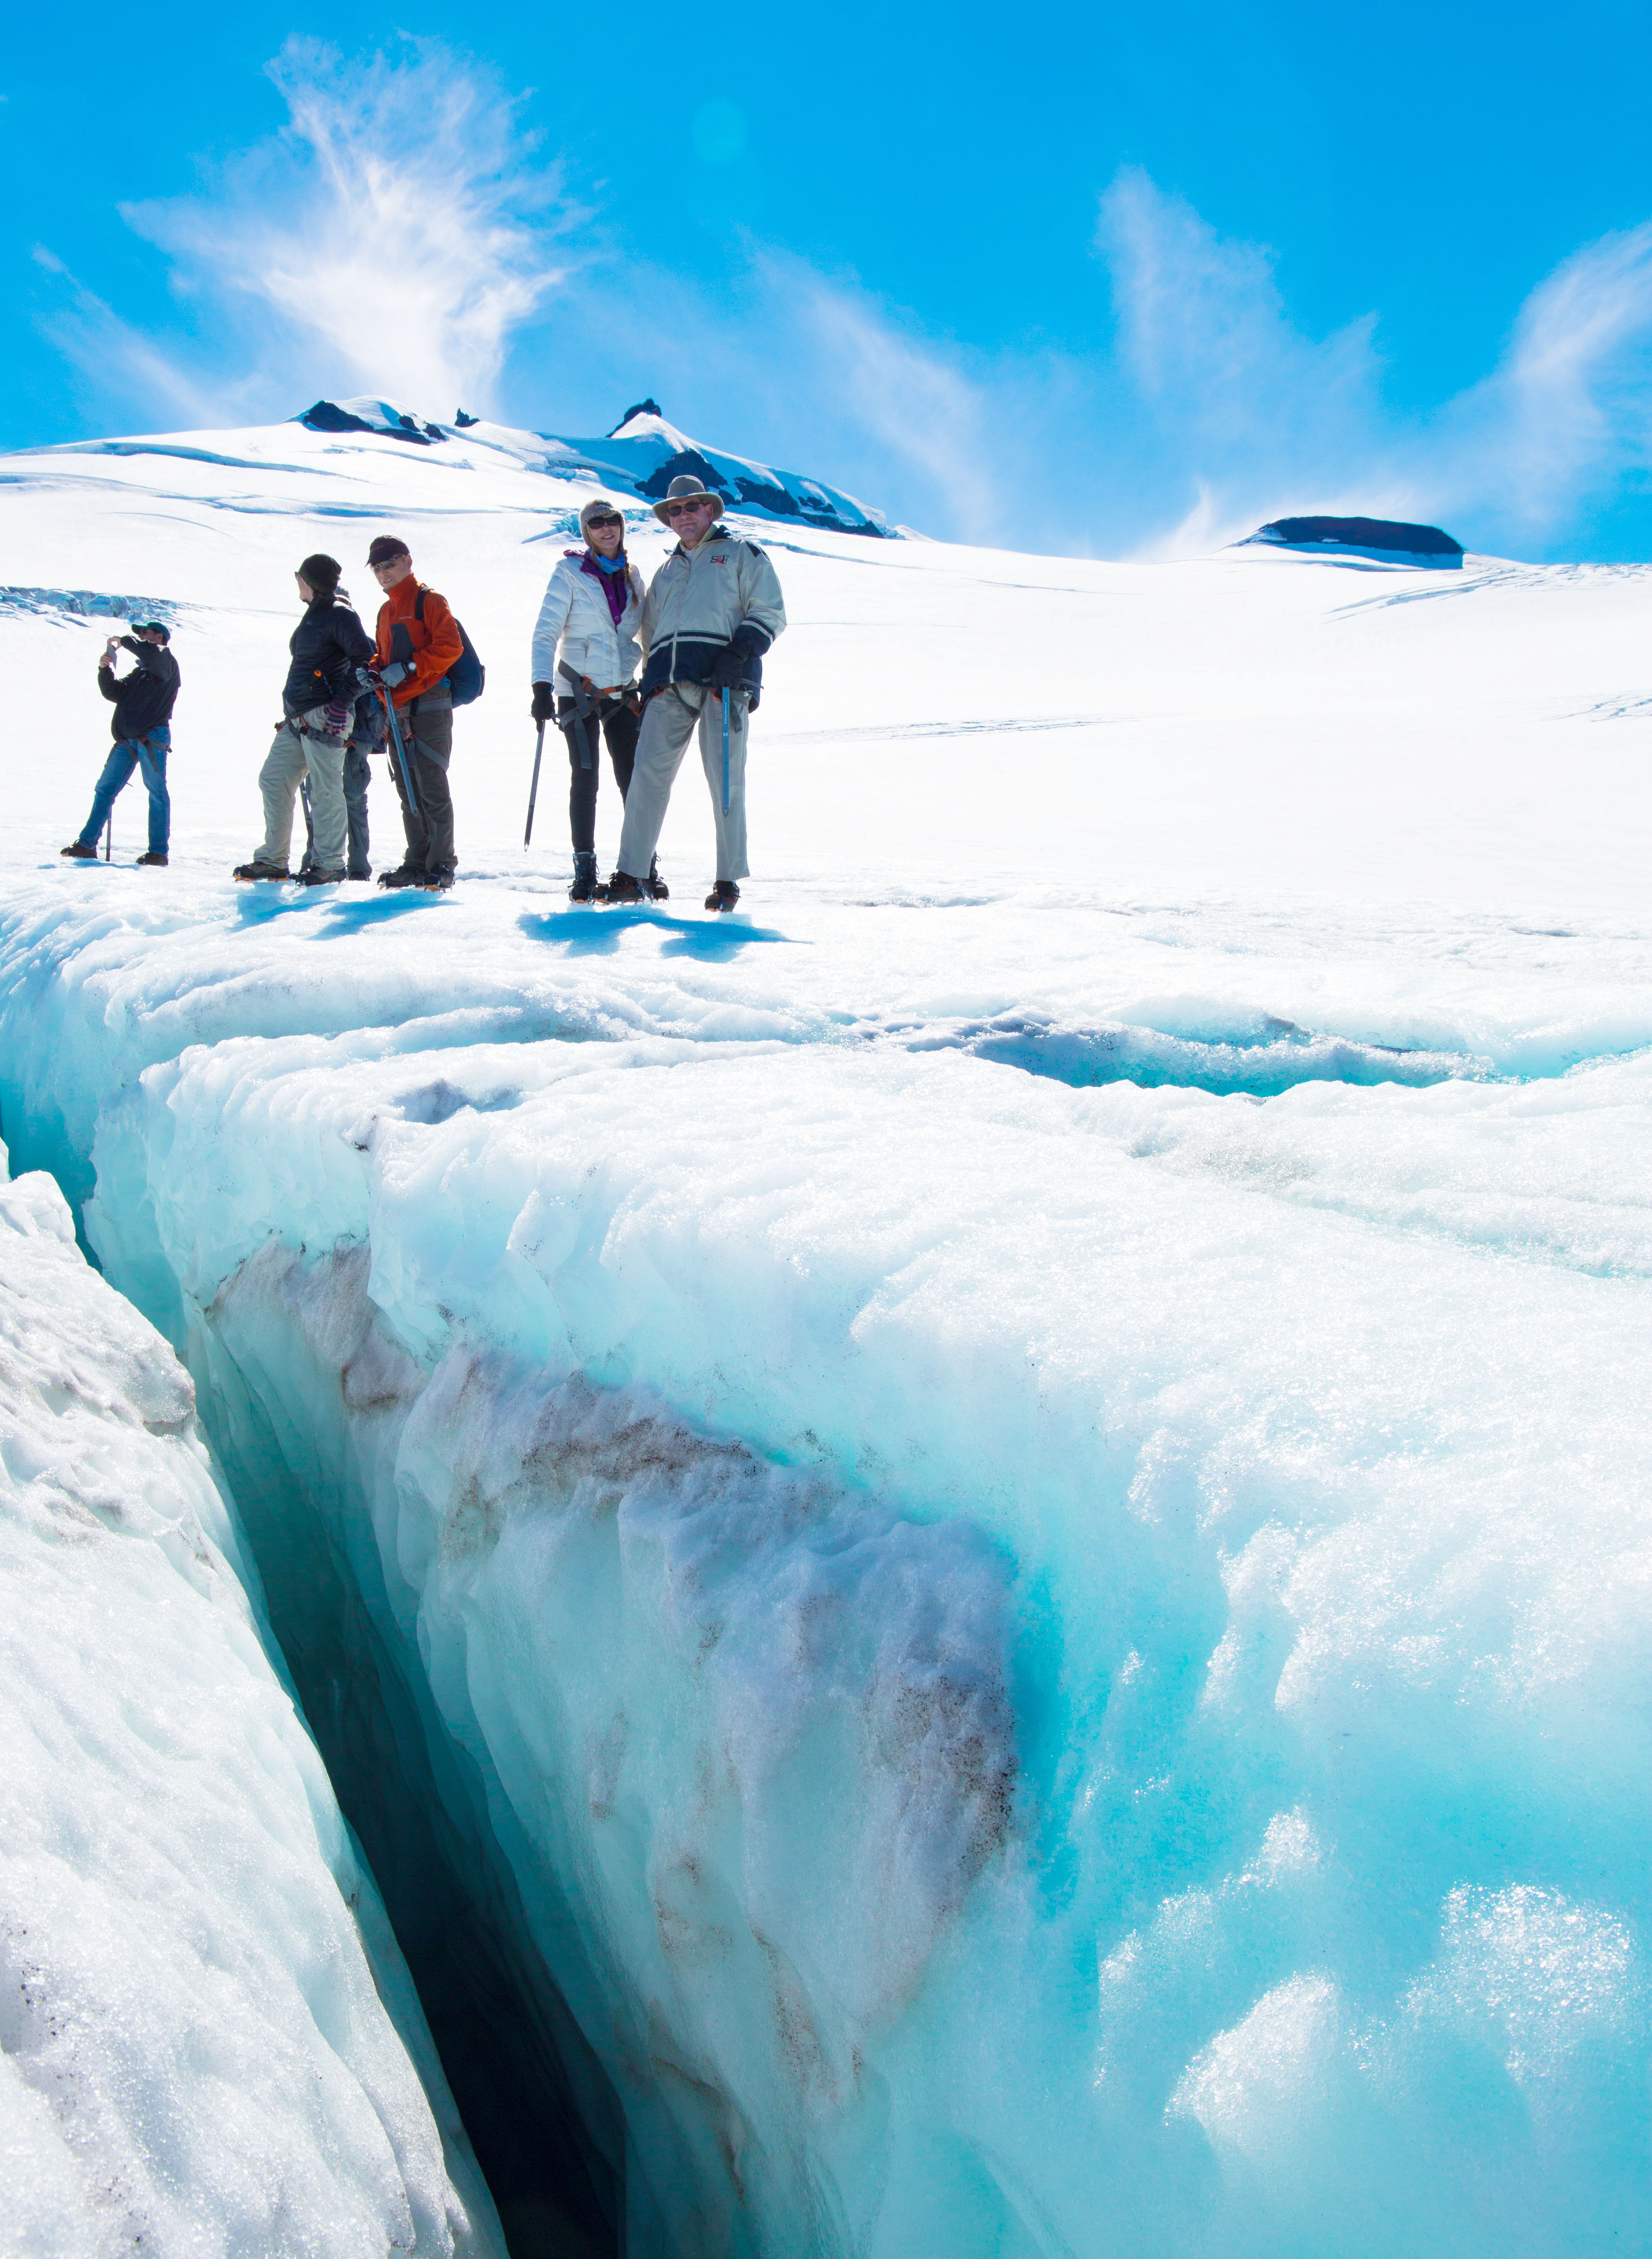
column 436, row 642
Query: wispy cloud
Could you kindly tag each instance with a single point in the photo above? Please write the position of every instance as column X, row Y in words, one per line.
column 123, row 360
column 1568, row 412
column 1251, row 417
column 912, row 398
column 398, row 230
column 393, row 237
column 1254, row 418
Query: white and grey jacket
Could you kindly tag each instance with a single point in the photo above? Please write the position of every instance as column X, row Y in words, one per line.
column 723, row 592
column 576, row 627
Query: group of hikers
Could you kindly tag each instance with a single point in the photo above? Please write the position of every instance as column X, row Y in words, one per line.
column 697, row 633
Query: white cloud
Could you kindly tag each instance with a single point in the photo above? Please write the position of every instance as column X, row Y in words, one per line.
column 391, row 239
column 1255, row 419
column 908, row 395
column 1568, row 410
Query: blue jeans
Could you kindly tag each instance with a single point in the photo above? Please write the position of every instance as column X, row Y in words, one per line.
column 126, row 754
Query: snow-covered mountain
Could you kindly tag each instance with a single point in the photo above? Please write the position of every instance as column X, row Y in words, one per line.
column 640, row 458
column 988, row 1528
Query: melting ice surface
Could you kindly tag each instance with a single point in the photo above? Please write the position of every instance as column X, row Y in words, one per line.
column 1008, row 1497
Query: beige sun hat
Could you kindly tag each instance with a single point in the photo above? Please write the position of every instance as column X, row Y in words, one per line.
column 685, row 488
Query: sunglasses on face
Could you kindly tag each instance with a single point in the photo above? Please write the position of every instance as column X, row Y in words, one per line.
column 685, row 509
column 602, row 524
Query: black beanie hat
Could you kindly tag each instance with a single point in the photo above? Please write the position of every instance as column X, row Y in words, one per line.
column 384, row 546
column 322, row 573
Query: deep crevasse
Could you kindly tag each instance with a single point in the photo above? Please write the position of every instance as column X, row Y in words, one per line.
column 1006, row 1742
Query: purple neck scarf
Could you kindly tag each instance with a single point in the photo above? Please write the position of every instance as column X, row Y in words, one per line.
column 613, row 581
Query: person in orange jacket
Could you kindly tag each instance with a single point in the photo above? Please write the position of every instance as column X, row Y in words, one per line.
column 418, row 640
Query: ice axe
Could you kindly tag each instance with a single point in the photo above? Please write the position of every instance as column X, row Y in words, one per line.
column 109, row 837
column 533, row 789
column 401, row 753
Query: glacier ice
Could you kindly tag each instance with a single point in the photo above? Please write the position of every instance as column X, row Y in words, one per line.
column 208, row 2039
column 1007, row 1503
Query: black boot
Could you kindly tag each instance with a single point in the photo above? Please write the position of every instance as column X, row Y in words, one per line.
column 584, row 887
column 622, row 887
column 723, row 895
column 657, row 887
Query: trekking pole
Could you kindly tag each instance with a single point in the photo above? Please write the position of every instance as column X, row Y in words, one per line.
column 533, row 789
column 725, row 742
column 109, row 837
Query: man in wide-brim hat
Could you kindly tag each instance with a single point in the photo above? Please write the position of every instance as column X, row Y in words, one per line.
column 712, row 610
column 686, row 489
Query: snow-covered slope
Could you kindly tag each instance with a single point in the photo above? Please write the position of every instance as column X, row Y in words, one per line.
column 197, row 2049
column 1021, row 1478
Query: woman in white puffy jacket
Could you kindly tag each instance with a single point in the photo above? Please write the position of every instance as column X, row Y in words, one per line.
column 585, row 655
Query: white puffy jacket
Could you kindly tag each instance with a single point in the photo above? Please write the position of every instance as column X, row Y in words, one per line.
column 576, row 628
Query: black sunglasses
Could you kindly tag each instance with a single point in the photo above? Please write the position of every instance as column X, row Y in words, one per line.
column 591, row 524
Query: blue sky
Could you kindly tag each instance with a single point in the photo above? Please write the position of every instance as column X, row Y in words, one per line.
column 1109, row 280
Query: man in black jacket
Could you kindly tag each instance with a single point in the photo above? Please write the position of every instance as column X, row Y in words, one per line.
column 328, row 646
column 142, row 727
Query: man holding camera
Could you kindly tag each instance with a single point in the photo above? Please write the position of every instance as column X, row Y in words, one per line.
column 141, row 725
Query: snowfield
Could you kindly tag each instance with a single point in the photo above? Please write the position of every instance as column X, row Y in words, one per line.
column 1007, row 1497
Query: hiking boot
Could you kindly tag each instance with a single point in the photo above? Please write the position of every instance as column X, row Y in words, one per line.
column 155, row 862
column 723, row 895
column 360, row 877
column 584, row 887
column 404, row 875
column 277, row 872
column 78, row 852
column 658, row 889
column 314, row 877
column 437, row 882
column 622, row 887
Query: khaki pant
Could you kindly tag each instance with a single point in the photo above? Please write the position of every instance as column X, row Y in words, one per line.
column 301, row 744
column 668, row 723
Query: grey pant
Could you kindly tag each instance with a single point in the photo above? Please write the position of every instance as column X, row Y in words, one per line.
column 301, row 744
column 426, row 727
column 668, row 723
column 357, row 776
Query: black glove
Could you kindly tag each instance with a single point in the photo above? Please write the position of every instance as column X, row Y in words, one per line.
column 727, row 668
column 544, row 702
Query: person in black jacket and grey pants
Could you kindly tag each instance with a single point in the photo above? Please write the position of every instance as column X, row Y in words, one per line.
column 141, row 726
column 327, row 648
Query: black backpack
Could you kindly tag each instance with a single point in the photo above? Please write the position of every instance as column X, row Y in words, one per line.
column 467, row 677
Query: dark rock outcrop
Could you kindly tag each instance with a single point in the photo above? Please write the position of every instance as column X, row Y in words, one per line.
column 1385, row 539
column 327, row 416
